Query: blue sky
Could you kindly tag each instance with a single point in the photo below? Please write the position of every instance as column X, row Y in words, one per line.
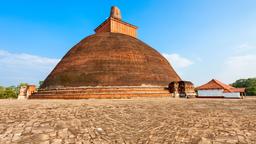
column 203, row 39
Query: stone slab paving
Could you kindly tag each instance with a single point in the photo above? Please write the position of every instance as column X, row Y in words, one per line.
column 149, row 121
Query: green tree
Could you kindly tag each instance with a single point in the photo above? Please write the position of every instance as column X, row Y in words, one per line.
column 22, row 84
column 8, row 92
column 40, row 83
column 249, row 84
column 2, row 89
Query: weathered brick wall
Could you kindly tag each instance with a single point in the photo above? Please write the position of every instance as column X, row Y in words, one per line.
column 111, row 59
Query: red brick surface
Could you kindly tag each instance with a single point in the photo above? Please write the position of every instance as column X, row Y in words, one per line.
column 111, row 59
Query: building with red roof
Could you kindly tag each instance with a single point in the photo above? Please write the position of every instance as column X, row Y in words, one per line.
column 217, row 89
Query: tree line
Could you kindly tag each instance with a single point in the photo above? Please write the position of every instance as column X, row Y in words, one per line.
column 249, row 85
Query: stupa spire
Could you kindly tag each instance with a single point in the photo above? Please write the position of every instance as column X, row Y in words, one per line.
column 115, row 24
column 115, row 13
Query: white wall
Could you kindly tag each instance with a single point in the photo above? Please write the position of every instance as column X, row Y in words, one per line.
column 232, row 95
column 210, row 93
column 217, row 93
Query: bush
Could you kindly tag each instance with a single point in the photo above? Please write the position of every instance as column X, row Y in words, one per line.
column 9, row 92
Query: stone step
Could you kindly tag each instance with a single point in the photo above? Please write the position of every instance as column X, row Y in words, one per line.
column 49, row 94
column 87, row 96
column 101, row 91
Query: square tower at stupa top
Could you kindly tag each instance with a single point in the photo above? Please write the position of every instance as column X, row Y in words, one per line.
column 115, row 24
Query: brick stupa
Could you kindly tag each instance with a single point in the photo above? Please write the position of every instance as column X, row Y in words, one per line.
column 113, row 63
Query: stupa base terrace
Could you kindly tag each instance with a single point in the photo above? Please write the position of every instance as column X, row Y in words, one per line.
column 106, row 92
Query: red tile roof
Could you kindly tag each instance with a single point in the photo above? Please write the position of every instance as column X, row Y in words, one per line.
column 215, row 84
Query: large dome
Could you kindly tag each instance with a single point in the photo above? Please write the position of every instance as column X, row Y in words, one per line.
column 111, row 59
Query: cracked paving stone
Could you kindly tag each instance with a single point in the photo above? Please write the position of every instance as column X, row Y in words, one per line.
column 140, row 120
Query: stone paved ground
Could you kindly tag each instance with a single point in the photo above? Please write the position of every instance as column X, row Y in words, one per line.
column 154, row 120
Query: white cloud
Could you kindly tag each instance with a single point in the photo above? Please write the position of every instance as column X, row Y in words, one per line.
column 244, row 45
column 178, row 61
column 241, row 63
column 237, row 67
column 244, row 48
column 22, row 67
column 3, row 53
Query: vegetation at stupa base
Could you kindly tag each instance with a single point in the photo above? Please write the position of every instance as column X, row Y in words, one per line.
column 249, row 84
column 11, row 92
column 8, row 92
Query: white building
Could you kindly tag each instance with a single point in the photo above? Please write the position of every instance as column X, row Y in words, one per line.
column 217, row 89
